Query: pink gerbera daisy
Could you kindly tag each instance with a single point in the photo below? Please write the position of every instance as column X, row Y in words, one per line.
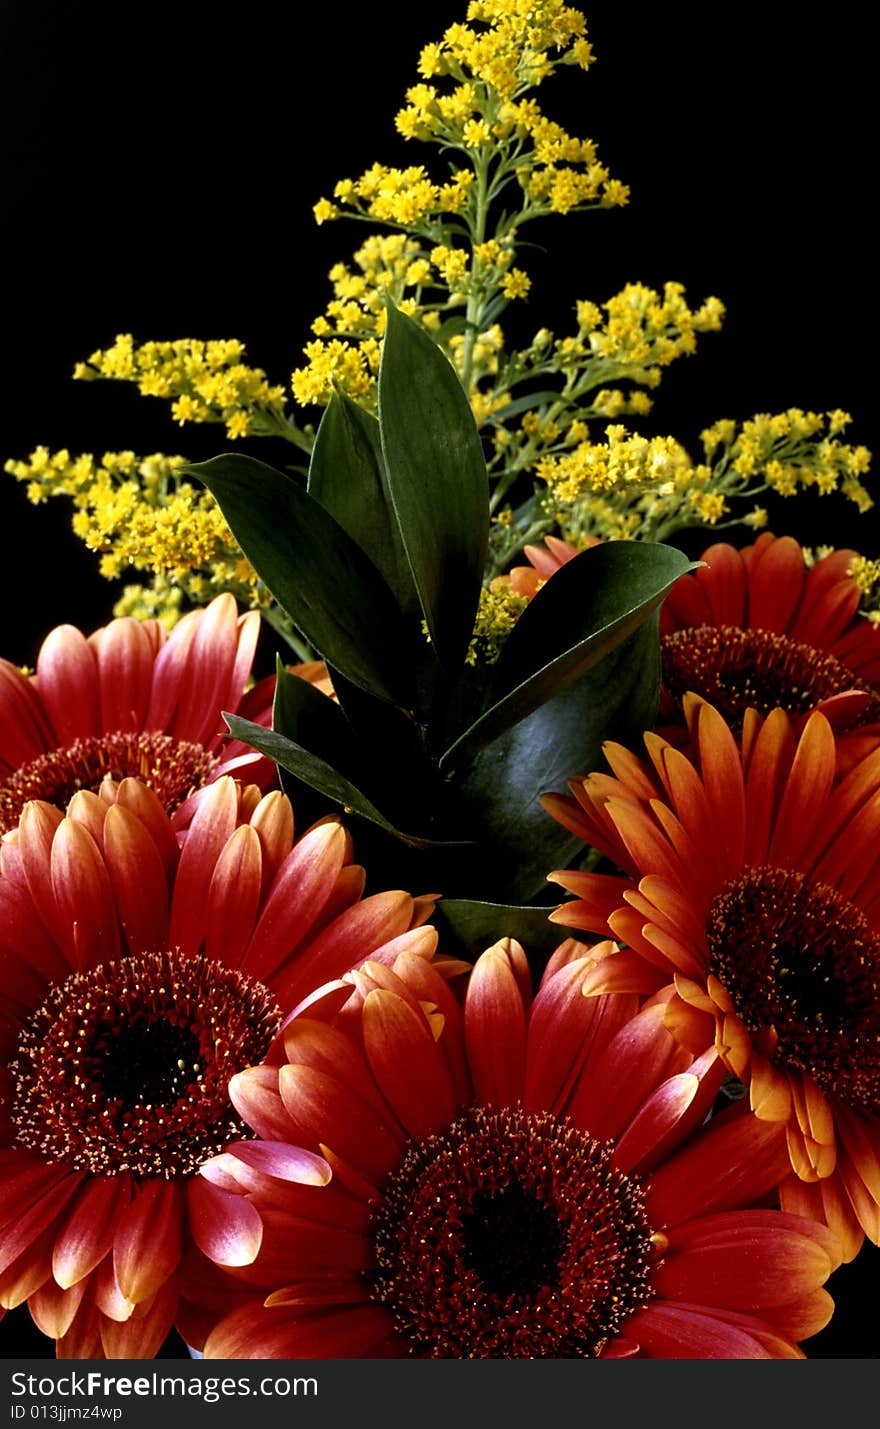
column 131, row 700
column 137, row 977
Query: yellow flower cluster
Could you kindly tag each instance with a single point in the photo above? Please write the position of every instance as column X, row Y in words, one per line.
column 866, row 574
column 399, row 196
column 791, row 451
column 643, row 331
column 622, row 461
column 514, row 48
column 204, row 381
column 459, row 240
column 629, row 339
column 506, row 50
column 649, row 488
column 486, row 66
column 139, row 514
column 499, row 610
column 426, row 284
column 346, row 348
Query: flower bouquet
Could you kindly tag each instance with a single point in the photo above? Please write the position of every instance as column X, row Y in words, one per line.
column 439, row 906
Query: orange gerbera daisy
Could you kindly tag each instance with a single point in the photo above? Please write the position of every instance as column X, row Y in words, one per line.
column 518, row 1177
column 136, row 978
column 753, row 888
column 544, row 561
column 755, row 628
column 131, row 700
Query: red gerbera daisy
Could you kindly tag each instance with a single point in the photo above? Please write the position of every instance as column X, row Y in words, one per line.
column 755, row 628
column 753, row 888
column 131, row 700
column 137, row 977
column 520, row 1177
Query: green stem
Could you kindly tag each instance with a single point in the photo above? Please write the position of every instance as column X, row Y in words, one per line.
column 474, row 302
column 276, row 424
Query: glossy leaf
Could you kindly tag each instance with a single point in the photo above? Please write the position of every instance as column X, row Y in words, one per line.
column 328, row 586
column 589, row 607
column 304, row 714
column 392, row 739
column 437, row 482
column 320, row 775
column 562, row 739
column 346, row 475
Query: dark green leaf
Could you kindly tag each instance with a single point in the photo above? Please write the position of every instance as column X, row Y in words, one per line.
column 476, row 926
column 346, row 475
column 304, row 714
column 330, row 589
column 437, row 481
column 318, row 774
column 389, row 734
column 562, row 739
column 587, row 608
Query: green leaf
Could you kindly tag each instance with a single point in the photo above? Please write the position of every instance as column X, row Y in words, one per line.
column 450, row 328
column 305, row 715
column 587, row 608
column 437, row 482
column 524, row 404
column 320, row 775
column 562, row 739
column 323, row 580
column 492, row 311
column 476, row 926
column 347, row 477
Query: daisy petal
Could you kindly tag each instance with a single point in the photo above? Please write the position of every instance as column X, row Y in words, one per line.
column 147, row 1243
column 225, row 1227
column 407, row 1065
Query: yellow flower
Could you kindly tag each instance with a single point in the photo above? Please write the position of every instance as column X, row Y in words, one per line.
column 475, row 133
column 515, row 284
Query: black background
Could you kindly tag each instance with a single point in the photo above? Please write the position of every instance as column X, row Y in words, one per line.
column 159, row 170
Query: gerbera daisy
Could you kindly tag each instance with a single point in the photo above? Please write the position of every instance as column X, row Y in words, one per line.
column 756, row 628
column 131, row 700
column 544, row 561
column 137, row 977
column 753, row 890
column 517, row 1177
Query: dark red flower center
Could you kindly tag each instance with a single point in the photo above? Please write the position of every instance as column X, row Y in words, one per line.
column 172, row 768
column 126, row 1067
column 734, row 669
column 798, row 958
column 510, row 1236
